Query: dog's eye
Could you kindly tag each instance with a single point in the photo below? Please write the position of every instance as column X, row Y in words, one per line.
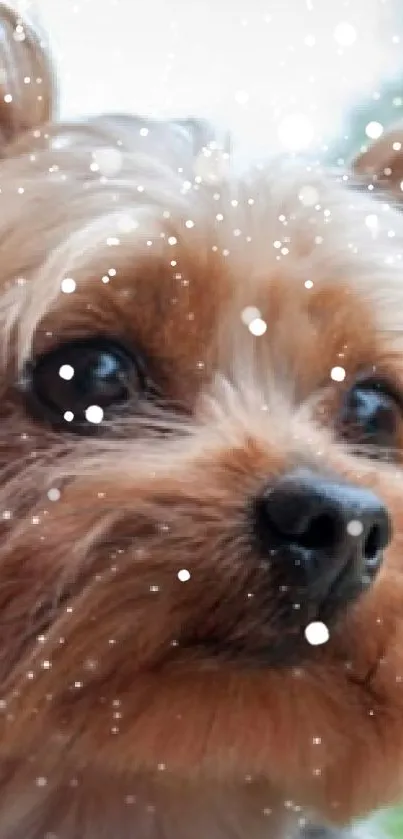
column 371, row 414
column 75, row 384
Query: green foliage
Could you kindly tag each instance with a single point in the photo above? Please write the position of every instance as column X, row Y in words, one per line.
column 392, row 823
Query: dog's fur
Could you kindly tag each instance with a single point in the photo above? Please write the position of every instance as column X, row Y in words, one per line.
column 115, row 720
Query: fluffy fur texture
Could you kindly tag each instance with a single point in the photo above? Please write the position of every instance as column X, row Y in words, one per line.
column 116, row 720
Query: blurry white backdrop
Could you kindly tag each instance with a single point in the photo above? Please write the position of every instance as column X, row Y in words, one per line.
column 279, row 73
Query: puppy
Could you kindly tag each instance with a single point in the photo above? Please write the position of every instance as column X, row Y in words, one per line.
column 201, row 436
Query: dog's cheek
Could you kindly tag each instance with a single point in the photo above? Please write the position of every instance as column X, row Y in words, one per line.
column 366, row 653
column 361, row 683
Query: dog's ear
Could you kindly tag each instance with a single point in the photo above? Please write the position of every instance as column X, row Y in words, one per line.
column 27, row 81
column 382, row 163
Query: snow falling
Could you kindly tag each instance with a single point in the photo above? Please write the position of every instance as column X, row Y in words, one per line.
column 291, row 92
column 355, row 527
column 317, row 633
column 269, row 108
column 338, row 374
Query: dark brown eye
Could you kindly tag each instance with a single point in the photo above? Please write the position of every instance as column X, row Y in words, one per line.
column 371, row 414
column 77, row 384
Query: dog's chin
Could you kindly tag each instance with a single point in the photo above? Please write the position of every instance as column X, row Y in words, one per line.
column 288, row 646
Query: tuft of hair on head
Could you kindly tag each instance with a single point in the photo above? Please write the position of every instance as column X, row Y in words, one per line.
column 27, row 79
column 382, row 162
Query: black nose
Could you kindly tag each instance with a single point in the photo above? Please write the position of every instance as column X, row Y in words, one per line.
column 322, row 528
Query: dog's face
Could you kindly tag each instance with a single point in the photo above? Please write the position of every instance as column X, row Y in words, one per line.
column 201, row 435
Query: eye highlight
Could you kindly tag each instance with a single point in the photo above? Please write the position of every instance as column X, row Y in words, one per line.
column 79, row 383
column 371, row 414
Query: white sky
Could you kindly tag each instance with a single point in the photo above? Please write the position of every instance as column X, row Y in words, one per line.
column 268, row 69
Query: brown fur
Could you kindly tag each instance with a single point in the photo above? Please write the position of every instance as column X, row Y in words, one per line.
column 114, row 721
column 382, row 163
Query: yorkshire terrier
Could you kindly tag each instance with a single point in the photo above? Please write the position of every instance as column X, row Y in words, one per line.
column 201, row 574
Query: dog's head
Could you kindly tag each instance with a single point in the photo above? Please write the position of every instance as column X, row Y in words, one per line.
column 201, row 430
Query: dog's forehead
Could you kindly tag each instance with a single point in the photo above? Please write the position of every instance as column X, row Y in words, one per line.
column 204, row 315
column 184, row 280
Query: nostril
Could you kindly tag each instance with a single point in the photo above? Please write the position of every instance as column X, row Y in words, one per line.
column 373, row 543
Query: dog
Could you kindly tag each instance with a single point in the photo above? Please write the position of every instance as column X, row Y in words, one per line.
column 201, row 574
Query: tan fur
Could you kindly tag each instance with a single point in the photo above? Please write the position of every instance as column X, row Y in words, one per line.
column 111, row 725
column 382, row 163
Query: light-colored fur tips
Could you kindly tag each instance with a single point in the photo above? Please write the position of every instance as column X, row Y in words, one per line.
column 27, row 79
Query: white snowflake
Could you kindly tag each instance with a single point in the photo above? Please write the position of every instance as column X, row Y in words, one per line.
column 317, row 633
column 109, row 161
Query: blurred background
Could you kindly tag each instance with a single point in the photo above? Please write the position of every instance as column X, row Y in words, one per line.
column 316, row 76
column 321, row 77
